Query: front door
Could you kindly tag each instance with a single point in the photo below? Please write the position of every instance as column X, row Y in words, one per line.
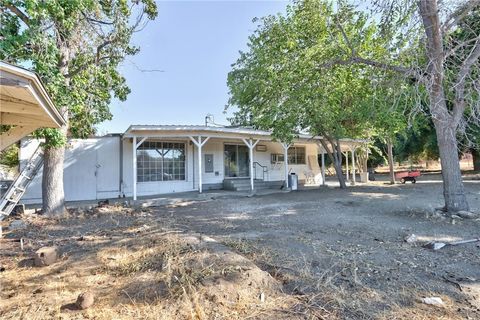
column 236, row 161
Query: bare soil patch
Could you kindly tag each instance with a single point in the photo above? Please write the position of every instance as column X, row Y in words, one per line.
column 137, row 267
column 345, row 250
column 317, row 254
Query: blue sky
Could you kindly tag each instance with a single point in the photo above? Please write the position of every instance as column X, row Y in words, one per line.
column 194, row 43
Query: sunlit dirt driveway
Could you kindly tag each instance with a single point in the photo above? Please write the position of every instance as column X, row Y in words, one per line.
column 346, row 248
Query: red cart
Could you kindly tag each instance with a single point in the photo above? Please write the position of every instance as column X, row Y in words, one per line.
column 405, row 176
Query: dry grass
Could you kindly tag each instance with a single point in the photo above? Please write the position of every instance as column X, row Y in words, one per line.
column 339, row 292
column 136, row 270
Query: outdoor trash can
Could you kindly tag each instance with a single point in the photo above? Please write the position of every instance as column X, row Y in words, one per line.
column 293, row 181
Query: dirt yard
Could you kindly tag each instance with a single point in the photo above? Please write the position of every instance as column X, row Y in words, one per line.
column 317, row 254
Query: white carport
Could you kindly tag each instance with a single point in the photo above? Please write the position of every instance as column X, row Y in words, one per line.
column 200, row 135
column 24, row 104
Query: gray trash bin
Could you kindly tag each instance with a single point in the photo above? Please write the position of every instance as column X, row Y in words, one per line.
column 293, row 181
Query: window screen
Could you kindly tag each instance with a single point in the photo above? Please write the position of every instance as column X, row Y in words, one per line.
column 296, row 155
column 160, row 161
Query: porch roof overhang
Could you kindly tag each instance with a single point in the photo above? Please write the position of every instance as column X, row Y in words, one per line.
column 185, row 131
column 24, row 100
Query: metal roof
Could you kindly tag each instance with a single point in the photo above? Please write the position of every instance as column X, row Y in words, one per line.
column 185, row 130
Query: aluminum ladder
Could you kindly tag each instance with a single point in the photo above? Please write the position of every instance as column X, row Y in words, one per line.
column 17, row 189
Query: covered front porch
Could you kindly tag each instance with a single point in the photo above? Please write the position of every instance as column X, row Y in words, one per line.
column 203, row 158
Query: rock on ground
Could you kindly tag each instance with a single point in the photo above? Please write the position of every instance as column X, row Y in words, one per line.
column 85, row 300
column 45, row 256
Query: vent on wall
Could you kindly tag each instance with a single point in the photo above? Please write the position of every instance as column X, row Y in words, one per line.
column 261, row 148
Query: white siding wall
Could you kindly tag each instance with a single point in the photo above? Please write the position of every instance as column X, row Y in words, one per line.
column 92, row 168
column 215, row 147
column 277, row 172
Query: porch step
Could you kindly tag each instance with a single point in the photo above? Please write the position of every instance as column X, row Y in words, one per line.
column 244, row 184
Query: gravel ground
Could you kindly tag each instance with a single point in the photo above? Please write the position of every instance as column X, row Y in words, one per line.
column 346, row 248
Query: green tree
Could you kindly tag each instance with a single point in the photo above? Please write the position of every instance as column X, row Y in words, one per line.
column 425, row 26
column 9, row 156
column 278, row 83
column 390, row 100
column 76, row 47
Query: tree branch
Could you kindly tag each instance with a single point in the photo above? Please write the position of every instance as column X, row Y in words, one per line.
column 95, row 20
column 460, row 45
column 18, row 13
column 380, row 65
column 465, row 68
column 355, row 58
column 95, row 60
column 345, row 37
column 459, row 14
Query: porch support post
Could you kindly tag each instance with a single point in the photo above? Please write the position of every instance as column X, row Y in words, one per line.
column 250, row 144
column 323, row 168
column 346, row 164
column 199, row 145
column 135, row 146
column 285, row 161
column 134, row 155
column 353, row 166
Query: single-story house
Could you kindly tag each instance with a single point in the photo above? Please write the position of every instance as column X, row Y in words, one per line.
column 157, row 159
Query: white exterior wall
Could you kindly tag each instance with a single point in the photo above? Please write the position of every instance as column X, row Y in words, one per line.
column 275, row 172
column 92, row 168
column 215, row 147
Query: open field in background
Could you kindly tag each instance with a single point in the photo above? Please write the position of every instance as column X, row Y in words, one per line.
column 314, row 254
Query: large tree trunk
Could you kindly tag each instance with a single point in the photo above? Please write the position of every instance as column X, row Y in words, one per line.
column 476, row 159
column 53, row 198
column 53, row 195
column 390, row 161
column 453, row 189
column 446, row 122
column 335, row 155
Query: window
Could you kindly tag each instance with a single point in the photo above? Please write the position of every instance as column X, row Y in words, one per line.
column 160, row 161
column 276, row 157
column 296, row 155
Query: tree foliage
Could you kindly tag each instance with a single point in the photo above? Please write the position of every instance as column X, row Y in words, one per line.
column 76, row 47
column 277, row 85
column 286, row 81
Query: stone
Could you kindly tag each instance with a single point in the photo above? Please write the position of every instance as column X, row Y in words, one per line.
column 411, row 238
column 467, row 215
column 438, row 214
column 434, row 301
column 434, row 245
column 45, row 256
column 262, row 297
column 85, row 300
